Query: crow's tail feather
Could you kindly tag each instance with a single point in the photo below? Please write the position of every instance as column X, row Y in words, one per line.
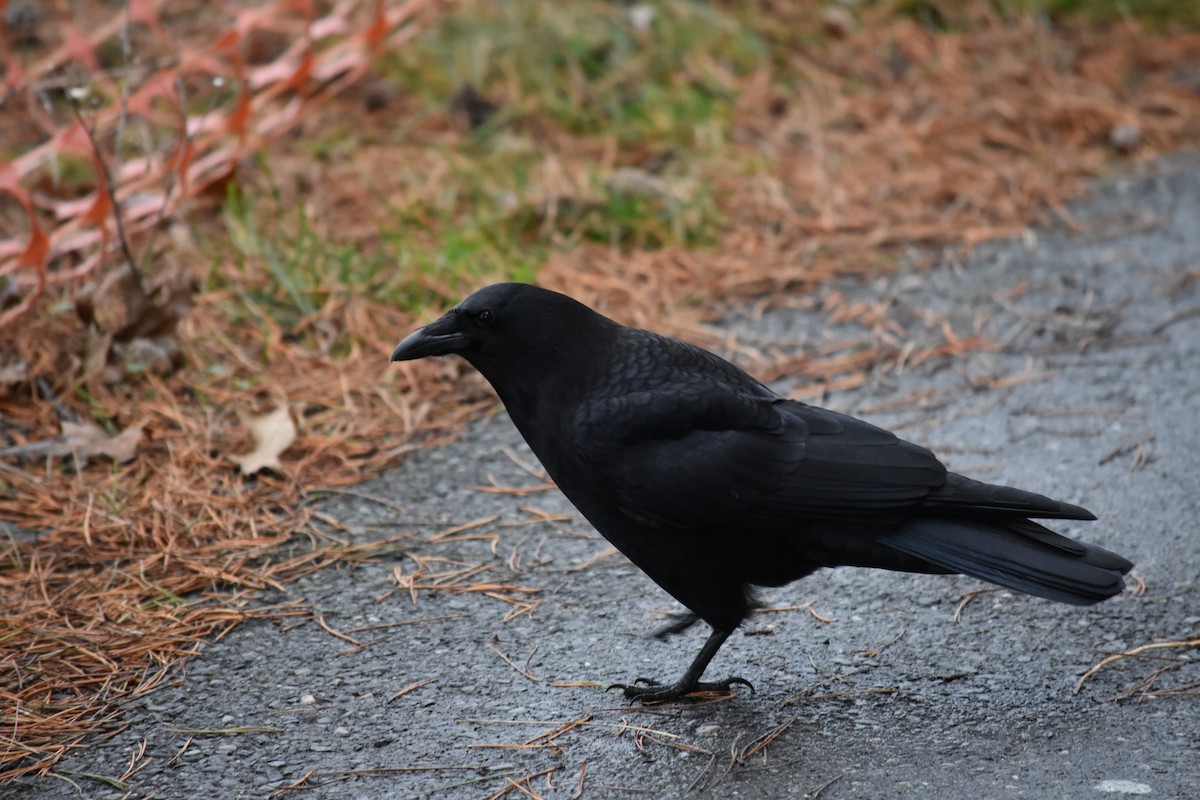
column 1016, row 553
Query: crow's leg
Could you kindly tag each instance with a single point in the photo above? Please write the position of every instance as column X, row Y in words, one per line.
column 650, row 691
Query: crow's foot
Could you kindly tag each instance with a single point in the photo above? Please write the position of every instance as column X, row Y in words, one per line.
column 649, row 691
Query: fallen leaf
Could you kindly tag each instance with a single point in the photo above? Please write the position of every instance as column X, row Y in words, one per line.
column 273, row 433
column 86, row 440
column 131, row 320
column 14, row 372
column 83, row 440
column 114, row 302
column 129, row 306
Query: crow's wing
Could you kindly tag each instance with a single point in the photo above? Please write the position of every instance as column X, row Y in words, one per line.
column 703, row 459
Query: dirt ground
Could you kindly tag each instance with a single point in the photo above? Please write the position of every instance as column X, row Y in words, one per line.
column 872, row 690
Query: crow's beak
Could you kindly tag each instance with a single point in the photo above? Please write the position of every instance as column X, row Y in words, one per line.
column 436, row 339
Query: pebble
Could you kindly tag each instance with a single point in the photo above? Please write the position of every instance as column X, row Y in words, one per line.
column 1125, row 136
column 641, row 16
column 215, row 763
column 1117, row 786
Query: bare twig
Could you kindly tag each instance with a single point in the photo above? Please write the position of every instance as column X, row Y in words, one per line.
column 110, row 189
column 524, row 671
column 1141, row 650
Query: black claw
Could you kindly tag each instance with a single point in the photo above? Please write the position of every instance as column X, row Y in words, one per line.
column 635, row 687
column 729, row 683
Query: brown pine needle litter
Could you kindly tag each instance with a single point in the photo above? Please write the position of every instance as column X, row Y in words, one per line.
column 887, row 144
column 1145, row 688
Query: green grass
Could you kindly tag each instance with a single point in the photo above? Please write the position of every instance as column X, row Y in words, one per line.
column 663, row 94
column 289, row 270
column 587, row 66
column 1155, row 14
column 640, row 116
column 608, row 129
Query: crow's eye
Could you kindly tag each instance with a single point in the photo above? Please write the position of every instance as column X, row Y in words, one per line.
column 486, row 317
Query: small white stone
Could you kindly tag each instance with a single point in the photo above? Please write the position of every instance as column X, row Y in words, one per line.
column 1125, row 136
column 641, row 15
column 1116, row 786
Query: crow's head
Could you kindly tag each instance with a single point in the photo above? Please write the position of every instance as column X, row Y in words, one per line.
column 503, row 321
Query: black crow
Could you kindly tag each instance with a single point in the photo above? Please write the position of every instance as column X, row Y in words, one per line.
column 713, row 484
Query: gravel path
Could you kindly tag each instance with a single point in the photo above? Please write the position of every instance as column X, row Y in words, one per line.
column 871, row 691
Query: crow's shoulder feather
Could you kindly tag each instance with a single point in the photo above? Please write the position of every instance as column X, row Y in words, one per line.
column 680, row 437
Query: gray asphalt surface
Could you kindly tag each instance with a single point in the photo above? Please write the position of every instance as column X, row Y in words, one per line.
column 883, row 695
